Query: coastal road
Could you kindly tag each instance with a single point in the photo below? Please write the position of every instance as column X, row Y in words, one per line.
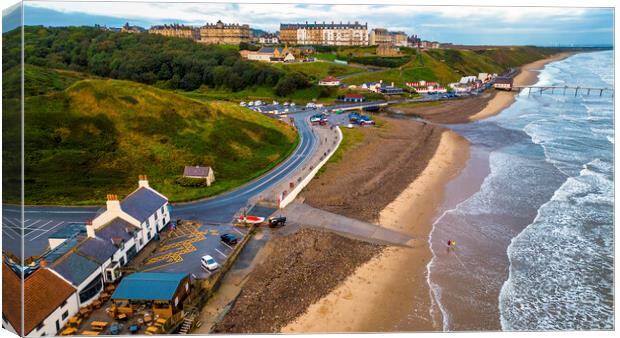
column 217, row 210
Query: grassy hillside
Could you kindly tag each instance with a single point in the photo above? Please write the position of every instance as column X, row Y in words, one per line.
column 38, row 80
column 316, row 71
column 448, row 65
column 96, row 136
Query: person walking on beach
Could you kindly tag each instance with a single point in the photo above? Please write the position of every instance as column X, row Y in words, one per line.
column 451, row 244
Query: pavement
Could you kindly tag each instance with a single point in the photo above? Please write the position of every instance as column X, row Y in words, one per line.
column 306, row 215
column 217, row 211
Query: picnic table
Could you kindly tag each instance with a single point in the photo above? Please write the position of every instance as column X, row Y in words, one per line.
column 68, row 331
column 122, row 316
column 152, row 330
column 75, row 321
column 98, row 326
column 110, row 288
column 85, row 312
column 104, row 296
column 97, row 304
column 147, row 318
column 89, row 333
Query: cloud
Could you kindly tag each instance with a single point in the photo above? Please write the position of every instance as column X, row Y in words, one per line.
column 437, row 21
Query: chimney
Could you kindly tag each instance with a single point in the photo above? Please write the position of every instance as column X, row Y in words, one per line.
column 392, row 84
column 90, row 229
column 112, row 203
column 143, row 182
column 42, row 263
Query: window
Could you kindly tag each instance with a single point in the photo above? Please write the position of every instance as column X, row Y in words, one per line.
column 63, row 303
column 65, row 315
column 148, row 236
column 92, row 289
column 40, row 326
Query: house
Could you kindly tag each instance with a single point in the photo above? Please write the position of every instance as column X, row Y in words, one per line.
column 353, row 98
column 85, row 256
column 200, row 172
column 268, row 38
column 503, row 83
column 460, row 87
column 390, row 89
column 270, row 54
column 468, row 79
column 329, row 81
column 48, row 302
column 164, row 292
column 372, row 86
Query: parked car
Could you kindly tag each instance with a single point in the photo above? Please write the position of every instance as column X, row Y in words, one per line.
column 277, row 221
column 209, row 263
column 229, row 239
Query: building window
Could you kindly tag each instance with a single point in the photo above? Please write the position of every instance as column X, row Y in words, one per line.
column 65, row 315
column 92, row 289
column 148, row 236
column 40, row 326
column 63, row 303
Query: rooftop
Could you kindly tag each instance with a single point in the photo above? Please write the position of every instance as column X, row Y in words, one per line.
column 75, row 267
column 43, row 293
column 196, row 171
column 142, row 203
column 149, row 286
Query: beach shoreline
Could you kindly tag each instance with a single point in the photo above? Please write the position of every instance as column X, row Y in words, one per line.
column 471, row 109
column 365, row 303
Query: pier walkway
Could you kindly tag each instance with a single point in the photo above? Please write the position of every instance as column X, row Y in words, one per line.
column 571, row 90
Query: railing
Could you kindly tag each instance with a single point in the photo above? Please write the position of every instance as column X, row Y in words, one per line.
column 563, row 89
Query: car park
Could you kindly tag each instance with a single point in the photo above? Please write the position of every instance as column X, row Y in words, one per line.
column 209, row 263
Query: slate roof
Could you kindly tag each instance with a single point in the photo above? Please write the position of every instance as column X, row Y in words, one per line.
column 142, row 203
column 75, row 268
column 196, row 171
column 116, row 228
column 270, row 50
column 43, row 293
column 149, row 286
column 98, row 249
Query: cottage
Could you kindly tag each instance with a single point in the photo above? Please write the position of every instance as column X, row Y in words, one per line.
column 329, row 81
column 353, row 98
column 163, row 292
column 48, row 302
column 200, row 172
column 503, row 83
column 271, row 54
column 390, row 89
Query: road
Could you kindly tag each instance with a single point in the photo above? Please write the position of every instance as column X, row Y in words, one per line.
column 41, row 221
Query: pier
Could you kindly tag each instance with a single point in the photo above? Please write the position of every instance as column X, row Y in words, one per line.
column 571, row 90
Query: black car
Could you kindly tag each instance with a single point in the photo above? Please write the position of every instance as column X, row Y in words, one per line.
column 277, row 221
column 229, row 239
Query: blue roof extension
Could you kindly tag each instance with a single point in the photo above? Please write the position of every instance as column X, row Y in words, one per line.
column 116, row 228
column 149, row 286
column 142, row 203
column 98, row 249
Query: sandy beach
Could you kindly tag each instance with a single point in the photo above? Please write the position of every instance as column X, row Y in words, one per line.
column 382, row 294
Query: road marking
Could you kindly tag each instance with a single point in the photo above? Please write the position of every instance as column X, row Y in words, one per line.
column 33, row 223
column 46, row 231
column 15, row 231
column 218, row 251
column 228, row 246
column 40, row 226
column 6, row 233
column 239, row 232
column 8, row 220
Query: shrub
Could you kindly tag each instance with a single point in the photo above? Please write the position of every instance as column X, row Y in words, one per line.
column 191, row 182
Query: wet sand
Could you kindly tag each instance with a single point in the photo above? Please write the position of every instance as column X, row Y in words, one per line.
column 472, row 109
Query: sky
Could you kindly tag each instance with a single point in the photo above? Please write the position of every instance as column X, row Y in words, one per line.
column 548, row 26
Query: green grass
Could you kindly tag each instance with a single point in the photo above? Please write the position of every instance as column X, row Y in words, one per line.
column 351, row 137
column 38, row 80
column 316, row 71
column 96, row 136
column 326, row 56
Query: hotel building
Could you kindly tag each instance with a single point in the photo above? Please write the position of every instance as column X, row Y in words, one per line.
column 332, row 34
column 221, row 33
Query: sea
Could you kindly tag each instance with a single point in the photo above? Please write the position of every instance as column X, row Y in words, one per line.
column 532, row 212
